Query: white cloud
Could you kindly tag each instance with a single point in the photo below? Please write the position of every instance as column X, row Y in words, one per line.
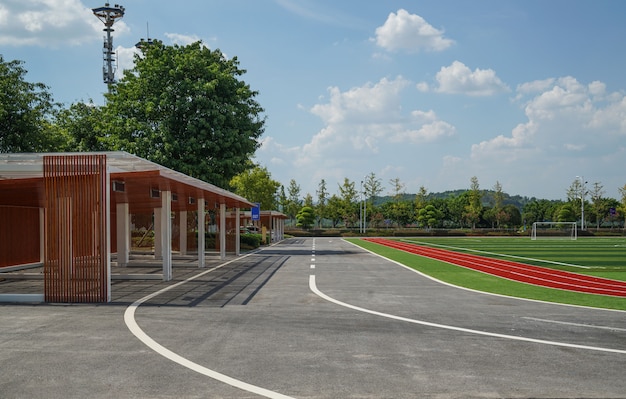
column 424, row 134
column 50, row 23
column 459, row 79
column 125, row 59
column 611, row 118
column 181, row 39
column 569, row 127
column 597, row 89
column 364, row 126
column 371, row 102
column 423, row 87
column 535, row 86
column 410, row 33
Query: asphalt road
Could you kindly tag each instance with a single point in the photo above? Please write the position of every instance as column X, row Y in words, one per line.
column 311, row 318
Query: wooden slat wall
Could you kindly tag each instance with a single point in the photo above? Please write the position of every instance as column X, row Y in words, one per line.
column 19, row 235
column 75, row 264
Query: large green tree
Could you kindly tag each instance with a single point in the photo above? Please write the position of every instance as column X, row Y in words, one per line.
column 322, row 200
column 26, row 111
column 622, row 201
column 305, row 217
column 429, row 216
column 186, row 107
column 334, row 210
column 257, row 185
column 349, row 202
column 474, row 207
column 294, row 203
column 599, row 205
column 372, row 186
column 84, row 128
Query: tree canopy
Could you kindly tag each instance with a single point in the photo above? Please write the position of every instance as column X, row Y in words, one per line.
column 257, row 185
column 186, row 108
column 25, row 112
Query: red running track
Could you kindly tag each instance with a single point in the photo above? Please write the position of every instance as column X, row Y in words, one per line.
column 514, row 270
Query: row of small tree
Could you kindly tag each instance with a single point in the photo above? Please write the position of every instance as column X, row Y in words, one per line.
column 471, row 208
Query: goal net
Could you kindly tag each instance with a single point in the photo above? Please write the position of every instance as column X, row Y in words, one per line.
column 562, row 230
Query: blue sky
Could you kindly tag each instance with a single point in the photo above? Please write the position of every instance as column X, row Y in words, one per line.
column 530, row 93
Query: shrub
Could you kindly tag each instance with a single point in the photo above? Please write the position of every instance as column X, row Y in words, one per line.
column 250, row 241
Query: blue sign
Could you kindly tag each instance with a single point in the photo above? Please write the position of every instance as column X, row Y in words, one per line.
column 256, row 212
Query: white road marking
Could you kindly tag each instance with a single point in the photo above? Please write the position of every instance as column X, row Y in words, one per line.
column 131, row 323
column 315, row 290
column 575, row 324
column 481, row 292
column 312, row 266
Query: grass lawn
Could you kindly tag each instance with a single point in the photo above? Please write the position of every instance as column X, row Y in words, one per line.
column 603, row 257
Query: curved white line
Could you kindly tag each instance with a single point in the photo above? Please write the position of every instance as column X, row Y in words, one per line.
column 477, row 291
column 313, row 287
column 131, row 323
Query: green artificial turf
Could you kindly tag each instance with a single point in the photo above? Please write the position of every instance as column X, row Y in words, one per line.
column 604, row 257
column 612, row 258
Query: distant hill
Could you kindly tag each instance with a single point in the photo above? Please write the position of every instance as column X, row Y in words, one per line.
column 488, row 198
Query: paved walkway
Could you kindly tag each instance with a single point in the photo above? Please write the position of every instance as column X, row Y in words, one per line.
column 309, row 318
column 141, row 277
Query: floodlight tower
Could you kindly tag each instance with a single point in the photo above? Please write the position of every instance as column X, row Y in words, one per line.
column 108, row 15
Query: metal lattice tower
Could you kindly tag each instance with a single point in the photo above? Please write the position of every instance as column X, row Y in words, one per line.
column 108, row 15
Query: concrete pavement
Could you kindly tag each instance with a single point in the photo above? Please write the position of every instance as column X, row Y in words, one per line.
column 258, row 321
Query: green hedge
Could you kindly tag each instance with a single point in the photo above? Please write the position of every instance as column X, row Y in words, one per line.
column 250, row 241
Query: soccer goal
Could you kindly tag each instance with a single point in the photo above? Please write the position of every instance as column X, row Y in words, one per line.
column 562, row 230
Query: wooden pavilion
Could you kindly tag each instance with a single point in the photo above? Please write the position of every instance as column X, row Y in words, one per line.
column 69, row 212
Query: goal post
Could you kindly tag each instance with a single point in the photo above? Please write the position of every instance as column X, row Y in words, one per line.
column 567, row 230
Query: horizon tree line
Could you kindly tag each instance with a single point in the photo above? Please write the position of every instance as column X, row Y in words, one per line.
column 471, row 208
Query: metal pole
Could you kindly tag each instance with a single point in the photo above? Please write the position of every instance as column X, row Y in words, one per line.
column 582, row 204
column 364, row 214
column 361, row 208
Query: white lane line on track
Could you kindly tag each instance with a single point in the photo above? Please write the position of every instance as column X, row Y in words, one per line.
column 131, row 323
column 503, row 255
column 524, row 271
column 567, row 323
column 313, row 287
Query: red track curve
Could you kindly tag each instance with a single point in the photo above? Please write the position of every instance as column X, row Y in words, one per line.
column 516, row 271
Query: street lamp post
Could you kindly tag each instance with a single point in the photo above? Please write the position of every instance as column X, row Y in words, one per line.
column 364, row 213
column 361, row 208
column 582, row 202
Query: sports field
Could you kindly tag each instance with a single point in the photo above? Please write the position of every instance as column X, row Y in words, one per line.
column 605, row 257
column 601, row 257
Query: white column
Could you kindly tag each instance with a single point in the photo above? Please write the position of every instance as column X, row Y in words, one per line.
column 222, row 231
column 166, row 233
column 123, row 234
column 237, row 233
column 201, row 233
column 158, row 245
column 271, row 228
column 183, row 232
